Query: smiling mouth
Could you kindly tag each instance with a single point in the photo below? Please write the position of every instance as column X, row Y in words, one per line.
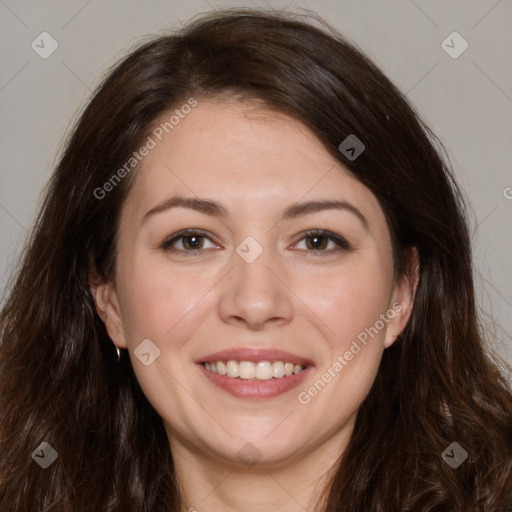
column 248, row 370
column 255, row 373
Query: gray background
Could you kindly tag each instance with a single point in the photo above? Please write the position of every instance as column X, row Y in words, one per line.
column 467, row 101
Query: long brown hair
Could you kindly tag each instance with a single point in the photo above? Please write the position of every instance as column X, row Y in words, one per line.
column 60, row 381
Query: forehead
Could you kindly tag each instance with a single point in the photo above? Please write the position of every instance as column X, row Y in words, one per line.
column 245, row 156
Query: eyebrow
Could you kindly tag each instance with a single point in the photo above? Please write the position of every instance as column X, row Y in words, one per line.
column 293, row 211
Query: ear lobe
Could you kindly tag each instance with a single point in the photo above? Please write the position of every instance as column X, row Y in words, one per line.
column 403, row 298
column 108, row 308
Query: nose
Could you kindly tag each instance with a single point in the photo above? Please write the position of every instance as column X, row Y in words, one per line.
column 255, row 294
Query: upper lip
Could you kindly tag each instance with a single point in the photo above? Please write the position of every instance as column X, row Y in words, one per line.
column 254, row 355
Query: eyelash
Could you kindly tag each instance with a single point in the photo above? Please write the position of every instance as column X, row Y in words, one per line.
column 342, row 244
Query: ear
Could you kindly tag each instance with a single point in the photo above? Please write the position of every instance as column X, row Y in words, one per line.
column 108, row 308
column 403, row 298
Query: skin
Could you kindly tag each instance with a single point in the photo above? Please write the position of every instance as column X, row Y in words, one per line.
column 256, row 163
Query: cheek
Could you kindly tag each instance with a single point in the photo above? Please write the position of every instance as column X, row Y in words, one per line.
column 165, row 309
column 155, row 301
column 352, row 302
column 350, row 299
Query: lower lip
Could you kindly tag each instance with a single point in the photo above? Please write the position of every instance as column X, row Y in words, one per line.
column 255, row 389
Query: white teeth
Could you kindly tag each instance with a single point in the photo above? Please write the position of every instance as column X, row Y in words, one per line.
column 264, row 370
column 277, row 369
column 221, row 368
column 233, row 369
column 247, row 370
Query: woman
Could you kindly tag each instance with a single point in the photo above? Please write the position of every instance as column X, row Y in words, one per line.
column 250, row 288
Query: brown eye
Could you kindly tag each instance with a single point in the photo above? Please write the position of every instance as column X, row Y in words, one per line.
column 193, row 241
column 324, row 242
column 188, row 241
column 316, row 242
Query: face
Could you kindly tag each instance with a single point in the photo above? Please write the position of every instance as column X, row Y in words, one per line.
column 245, row 248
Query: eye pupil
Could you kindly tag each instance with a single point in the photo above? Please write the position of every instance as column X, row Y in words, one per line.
column 315, row 241
column 193, row 245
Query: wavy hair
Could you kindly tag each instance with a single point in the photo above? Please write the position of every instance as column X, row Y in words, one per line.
column 60, row 380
